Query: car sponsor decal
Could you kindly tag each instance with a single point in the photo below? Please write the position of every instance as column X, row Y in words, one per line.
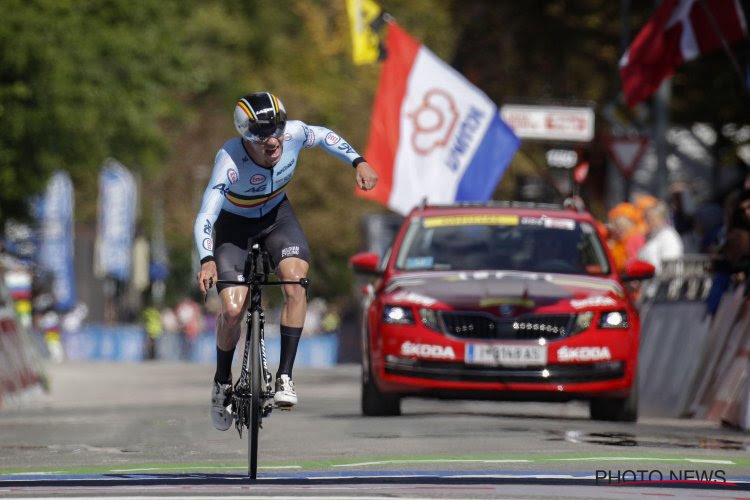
column 420, row 262
column 559, row 223
column 208, row 244
column 597, row 301
column 598, row 284
column 595, row 353
column 470, row 220
column 232, row 175
column 257, row 179
column 506, row 301
column 549, row 222
column 427, row 350
column 414, row 297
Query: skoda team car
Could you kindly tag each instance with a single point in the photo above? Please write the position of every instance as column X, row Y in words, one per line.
column 503, row 301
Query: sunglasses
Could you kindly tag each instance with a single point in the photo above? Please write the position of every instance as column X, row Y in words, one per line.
column 262, row 134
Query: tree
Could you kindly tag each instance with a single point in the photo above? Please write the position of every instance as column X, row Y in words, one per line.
column 82, row 81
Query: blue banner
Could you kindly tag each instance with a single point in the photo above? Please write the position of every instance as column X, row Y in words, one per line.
column 118, row 197
column 56, row 235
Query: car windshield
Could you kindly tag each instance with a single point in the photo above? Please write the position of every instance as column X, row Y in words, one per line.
column 507, row 242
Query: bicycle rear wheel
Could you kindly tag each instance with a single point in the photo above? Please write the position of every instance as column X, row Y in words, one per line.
column 256, row 398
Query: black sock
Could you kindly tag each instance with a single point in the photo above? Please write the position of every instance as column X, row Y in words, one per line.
column 223, row 373
column 289, row 342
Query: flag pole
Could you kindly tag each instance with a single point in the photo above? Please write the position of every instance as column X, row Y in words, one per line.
column 724, row 44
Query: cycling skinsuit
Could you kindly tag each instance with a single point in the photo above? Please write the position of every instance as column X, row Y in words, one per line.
column 245, row 200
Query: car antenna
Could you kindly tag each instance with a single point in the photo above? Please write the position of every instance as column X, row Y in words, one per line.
column 422, row 204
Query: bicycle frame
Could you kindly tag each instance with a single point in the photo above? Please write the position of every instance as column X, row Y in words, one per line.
column 253, row 392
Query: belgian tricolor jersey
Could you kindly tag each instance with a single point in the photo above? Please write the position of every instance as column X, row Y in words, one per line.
column 242, row 187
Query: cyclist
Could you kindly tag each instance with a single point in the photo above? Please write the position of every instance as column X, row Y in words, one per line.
column 245, row 199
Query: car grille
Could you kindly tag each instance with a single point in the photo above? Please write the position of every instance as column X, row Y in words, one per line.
column 480, row 325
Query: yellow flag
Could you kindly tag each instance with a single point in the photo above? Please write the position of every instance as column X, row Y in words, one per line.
column 365, row 40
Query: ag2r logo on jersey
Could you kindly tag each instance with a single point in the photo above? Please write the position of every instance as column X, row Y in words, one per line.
column 434, row 121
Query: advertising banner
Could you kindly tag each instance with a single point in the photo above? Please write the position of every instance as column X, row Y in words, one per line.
column 118, row 198
column 56, row 239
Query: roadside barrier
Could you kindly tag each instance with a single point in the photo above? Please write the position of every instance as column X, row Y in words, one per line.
column 20, row 376
column 692, row 364
column 128, row 343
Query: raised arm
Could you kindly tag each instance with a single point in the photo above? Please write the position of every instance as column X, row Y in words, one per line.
column 337, row 146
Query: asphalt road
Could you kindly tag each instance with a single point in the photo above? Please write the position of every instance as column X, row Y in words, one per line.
column 143, row 429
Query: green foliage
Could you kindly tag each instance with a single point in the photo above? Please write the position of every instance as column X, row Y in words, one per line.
column 82, row 81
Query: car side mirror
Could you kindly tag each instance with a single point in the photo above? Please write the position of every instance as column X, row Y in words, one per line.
column 365, row 263
column 638, row 270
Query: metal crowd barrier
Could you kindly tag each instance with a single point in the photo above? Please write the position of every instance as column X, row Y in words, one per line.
column 693, row 363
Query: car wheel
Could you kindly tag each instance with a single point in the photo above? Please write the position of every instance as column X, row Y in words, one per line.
column 616, row 409
column 376, row 403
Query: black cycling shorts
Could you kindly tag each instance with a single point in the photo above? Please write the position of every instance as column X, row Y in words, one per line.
column 278, row 232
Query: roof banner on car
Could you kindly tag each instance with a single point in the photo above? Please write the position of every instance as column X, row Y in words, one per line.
column 433, row 134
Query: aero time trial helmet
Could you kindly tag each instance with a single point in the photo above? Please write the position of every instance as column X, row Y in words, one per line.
column 259, row 116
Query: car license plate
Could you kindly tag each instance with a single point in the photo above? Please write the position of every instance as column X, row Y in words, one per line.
column 506, row 354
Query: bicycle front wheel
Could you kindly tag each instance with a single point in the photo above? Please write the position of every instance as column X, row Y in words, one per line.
column 256, row 398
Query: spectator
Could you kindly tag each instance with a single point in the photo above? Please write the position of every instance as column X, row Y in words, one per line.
column 737, row 246
column 707, row 229
column 643, row 202
column 191, row 319
column 627, row 239
column 152, row 325
column 663, row 243
column 682, row 207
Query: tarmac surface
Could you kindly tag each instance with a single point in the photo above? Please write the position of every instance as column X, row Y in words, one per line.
column 142, row 430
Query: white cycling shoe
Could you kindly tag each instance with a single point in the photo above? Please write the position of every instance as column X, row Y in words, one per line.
column 285, row 397
column 221, row 414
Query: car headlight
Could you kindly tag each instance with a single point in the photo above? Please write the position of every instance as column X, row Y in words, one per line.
column 429, row 319
column 613, row 320
column 583, row 321
column 397, row 315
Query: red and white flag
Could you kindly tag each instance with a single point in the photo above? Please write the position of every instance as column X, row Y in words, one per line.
column 679, row 31
column 433, row 134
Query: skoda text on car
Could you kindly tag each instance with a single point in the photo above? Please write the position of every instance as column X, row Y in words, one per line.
column 502, row 301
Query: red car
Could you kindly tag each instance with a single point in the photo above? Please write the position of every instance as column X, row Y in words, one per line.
column 501, row 301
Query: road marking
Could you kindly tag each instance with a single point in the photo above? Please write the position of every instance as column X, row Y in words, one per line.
column 643, row 459
column 432, row 461
column 218, row 467
column 708, row 461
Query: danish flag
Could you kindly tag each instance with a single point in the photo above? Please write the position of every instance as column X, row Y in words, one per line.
column 679, row 31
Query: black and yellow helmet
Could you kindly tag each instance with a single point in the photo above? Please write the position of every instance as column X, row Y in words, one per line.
column 259, row 116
